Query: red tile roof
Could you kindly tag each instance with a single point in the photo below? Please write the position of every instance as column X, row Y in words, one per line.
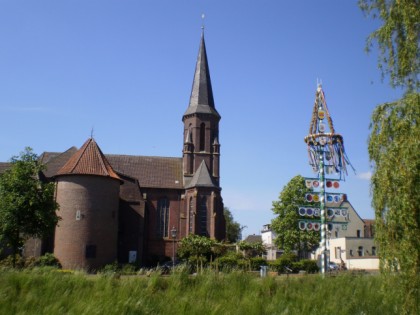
column 88, row 160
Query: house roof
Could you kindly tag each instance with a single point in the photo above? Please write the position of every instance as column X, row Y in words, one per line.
column 150, row 171
column 54, row 161
column 253, row 238
column 88, row 160
column 201, row 99
column 201, row 177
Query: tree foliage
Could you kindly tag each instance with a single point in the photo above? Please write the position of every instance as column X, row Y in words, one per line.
column 233, row 228
column 394, row 144
column 394, row 148
column 398, row 39
column 252, row 249
column 27, row 205
column 285, row 225
column 195, row 246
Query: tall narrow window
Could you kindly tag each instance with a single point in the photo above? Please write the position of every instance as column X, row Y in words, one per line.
column 191, row 216
column 360, row 251
column 202, row 217
column 202, row 136
column 358, row 233
column 162, row 217
column 373, row 251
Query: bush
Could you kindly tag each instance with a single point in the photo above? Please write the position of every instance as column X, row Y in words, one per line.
column 110, row 269
column 257, row 262
column 283, row 263
column 228, row 262
column 308, row 265
column 47, row 260
column 8, row 262
column 128, row 269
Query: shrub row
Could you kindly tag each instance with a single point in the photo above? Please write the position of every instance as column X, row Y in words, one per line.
column 284, row 264
column 20, row 262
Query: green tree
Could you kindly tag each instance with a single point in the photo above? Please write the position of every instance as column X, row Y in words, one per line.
column 196, row 249
column 394, row 145
column 397, row 38
column 252, row 249
column 233, row 228
column 27, row 205
column 286, row 224
column 394, row 148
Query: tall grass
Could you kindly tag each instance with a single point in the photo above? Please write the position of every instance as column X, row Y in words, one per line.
column 53, row 292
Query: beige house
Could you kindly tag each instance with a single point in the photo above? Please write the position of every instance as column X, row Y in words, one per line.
column 350, row 240
column 268, row 237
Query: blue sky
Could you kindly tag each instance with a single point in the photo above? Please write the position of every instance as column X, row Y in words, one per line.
column 125, row 69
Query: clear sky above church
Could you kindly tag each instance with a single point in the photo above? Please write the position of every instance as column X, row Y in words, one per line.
column 125, row 70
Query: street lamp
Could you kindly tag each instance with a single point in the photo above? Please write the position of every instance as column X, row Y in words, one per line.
column 173, row 234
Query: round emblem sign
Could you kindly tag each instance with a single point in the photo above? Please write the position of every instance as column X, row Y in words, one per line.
column 321, row 114
column 302, row 225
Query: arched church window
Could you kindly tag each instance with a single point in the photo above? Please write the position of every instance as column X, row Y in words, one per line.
column 191, row 216
column 202, row 136
column 202, row 217
column 163, row 217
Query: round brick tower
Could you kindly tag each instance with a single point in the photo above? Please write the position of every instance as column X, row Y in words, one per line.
column 88, row 195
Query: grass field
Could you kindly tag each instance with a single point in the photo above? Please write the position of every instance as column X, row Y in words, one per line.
column 56, row 292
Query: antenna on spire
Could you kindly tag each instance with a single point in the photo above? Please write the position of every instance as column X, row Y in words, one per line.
column 202, row 21
column 91, row 132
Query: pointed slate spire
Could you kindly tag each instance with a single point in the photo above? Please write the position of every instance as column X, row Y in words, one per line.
column 201, row 99
column 88, row 160
column 201, row 177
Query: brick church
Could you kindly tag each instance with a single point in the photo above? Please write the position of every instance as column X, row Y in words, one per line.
column 123, row 207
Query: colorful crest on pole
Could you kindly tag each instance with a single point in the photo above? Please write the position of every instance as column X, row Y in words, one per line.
column 323, row 141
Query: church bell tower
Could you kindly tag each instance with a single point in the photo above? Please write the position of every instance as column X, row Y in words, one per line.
column 201, row 123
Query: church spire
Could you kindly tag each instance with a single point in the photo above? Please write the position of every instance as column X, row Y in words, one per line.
column 201, row 99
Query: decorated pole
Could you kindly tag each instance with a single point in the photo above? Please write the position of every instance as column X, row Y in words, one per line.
column 324, row 263
column 326, row 156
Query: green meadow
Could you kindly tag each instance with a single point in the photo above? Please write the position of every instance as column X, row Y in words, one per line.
column 47, row 291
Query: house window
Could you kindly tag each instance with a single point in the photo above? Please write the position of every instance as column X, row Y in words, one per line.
column 336, row 234
column 373, row 251
column 202, row 136
column 360, row 251
column 162, row 217
column 191, row 216
column 202, row 216
column 338, row 252
column 351, row 252
column 90, row 251
column 358, row 233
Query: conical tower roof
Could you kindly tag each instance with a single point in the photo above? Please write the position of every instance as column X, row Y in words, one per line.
column 88, row 160
column 201, row 99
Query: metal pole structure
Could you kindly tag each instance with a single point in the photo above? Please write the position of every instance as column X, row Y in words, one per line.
column 324, row 262
column 326, row 154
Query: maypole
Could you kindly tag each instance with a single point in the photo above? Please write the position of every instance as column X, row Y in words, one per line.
column 326, row 156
